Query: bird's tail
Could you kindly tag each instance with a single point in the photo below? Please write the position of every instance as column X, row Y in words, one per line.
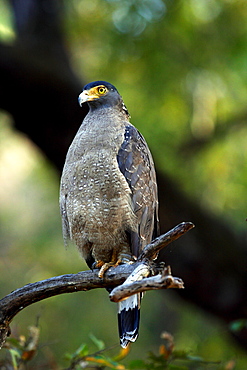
column 128, row 319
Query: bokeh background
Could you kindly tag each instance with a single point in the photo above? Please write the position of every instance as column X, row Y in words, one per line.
column 180, row 66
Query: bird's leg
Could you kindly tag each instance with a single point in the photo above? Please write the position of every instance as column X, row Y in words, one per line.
column 115, row 261
column 98, row 264
column 104, row 266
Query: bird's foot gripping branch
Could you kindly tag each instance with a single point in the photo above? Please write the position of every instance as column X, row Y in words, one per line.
column 123, row 280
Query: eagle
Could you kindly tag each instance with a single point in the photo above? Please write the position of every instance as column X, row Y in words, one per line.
column 108, row 192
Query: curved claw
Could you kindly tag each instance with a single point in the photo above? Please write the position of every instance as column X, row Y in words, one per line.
column 104, row 268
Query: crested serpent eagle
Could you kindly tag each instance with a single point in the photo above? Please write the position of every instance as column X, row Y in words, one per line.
column 108, row 193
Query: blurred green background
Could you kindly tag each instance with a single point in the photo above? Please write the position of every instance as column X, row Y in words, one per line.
column 181, row 69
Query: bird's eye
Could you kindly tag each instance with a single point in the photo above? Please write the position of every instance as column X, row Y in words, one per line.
column 102, row 90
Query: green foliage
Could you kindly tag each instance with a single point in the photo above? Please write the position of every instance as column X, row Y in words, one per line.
column 22, row 351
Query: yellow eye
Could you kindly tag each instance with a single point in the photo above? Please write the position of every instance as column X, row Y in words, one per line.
column 102, row 90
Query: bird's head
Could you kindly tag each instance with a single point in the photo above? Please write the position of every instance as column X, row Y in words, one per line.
column 101, row 93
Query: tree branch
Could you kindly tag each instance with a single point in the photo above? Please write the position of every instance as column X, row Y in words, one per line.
column 87, row 280
column 161, row 281
column 152, row 249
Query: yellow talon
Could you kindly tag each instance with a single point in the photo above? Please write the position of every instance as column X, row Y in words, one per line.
column 104, row 268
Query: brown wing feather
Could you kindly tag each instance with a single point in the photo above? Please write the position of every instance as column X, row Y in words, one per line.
column 136, row 164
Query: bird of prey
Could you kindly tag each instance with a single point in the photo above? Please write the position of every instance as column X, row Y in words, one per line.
column 108, row 192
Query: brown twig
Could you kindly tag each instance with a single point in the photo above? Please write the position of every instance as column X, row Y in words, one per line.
column 87, row 280
column 152, row 249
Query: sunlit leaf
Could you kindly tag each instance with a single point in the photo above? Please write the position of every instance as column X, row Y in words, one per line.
column 99, row 343
column 238, row 325
column 105, row 361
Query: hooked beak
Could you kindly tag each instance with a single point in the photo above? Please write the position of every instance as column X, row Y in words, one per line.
column 86, row 96
column 83, row 97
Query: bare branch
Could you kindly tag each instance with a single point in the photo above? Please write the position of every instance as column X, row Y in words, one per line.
column 160, row 281
column 152, row 249
column 125, row 274
column 34, row 292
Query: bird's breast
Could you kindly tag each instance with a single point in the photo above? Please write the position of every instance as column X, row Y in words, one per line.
column 98, row 196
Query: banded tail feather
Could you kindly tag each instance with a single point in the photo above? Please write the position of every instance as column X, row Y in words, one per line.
column 128, row 319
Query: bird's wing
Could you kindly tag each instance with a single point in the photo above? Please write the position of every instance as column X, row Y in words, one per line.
column 136, row 164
